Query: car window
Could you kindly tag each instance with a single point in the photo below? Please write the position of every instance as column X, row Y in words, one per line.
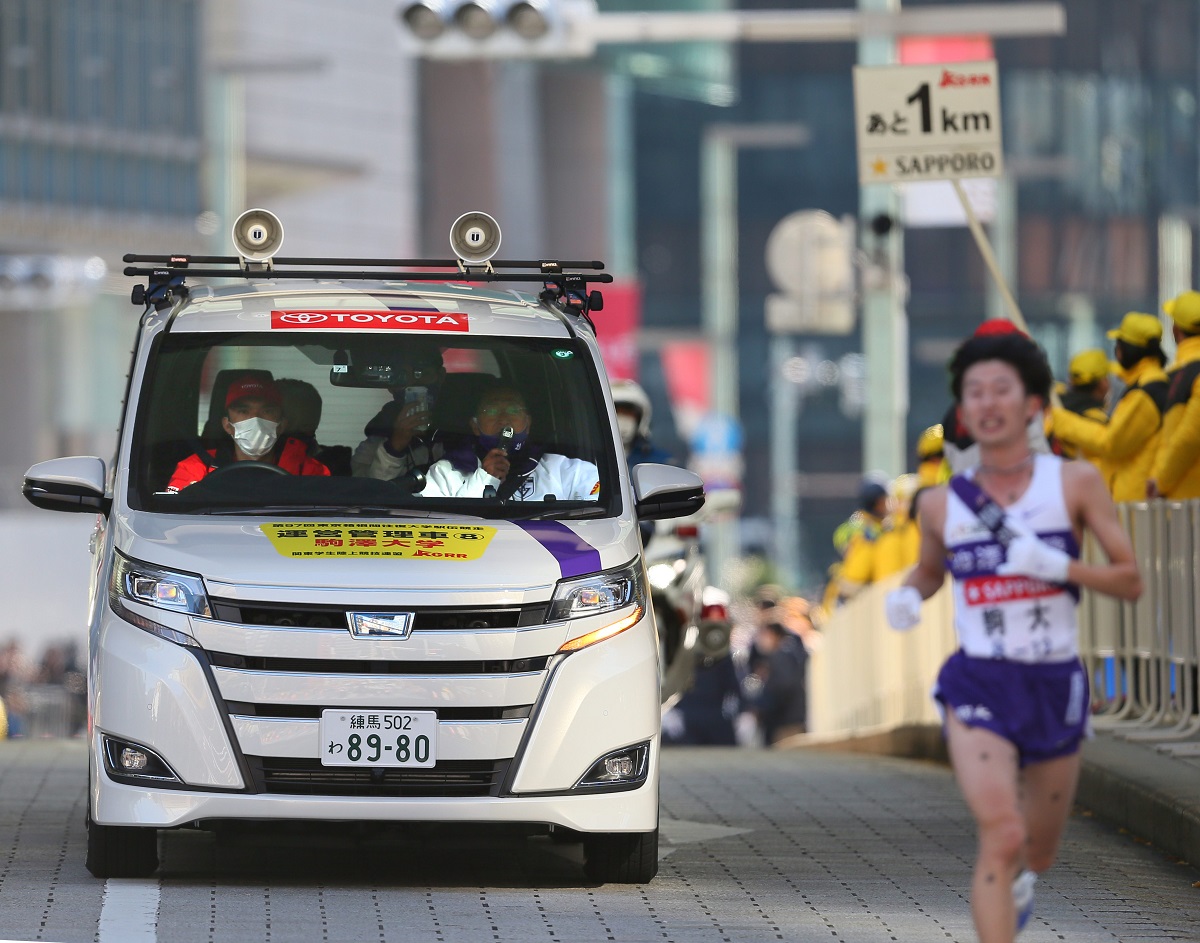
column 340, row 396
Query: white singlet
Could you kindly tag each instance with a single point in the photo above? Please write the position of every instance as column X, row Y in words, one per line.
column 1014, row 617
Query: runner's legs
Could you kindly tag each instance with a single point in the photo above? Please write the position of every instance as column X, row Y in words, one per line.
column 985, row 765
column 1048, row 795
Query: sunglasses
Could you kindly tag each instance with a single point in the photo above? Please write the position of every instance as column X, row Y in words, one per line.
column 512, row 411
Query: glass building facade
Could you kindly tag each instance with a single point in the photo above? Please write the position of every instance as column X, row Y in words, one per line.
column 100, row 105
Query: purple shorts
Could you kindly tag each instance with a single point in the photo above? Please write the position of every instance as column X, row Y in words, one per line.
column 1042, row 709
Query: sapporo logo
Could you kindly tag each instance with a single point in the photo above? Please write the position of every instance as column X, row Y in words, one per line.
column 303, row 317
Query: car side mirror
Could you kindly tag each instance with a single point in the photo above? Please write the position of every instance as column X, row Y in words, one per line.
column 75, row 483
column 662, row 491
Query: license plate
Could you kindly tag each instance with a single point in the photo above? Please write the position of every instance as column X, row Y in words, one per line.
column 378, row 738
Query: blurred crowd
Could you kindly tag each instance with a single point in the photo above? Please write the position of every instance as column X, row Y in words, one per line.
column 756, row 692
column 46, row 697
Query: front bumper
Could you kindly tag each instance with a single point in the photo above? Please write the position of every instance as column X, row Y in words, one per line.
column 218, row 727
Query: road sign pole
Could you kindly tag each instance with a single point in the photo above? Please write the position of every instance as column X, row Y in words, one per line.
column 884, row 319
column 785, row 418
column 989, row 258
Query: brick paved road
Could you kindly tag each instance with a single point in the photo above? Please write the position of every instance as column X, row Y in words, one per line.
column 757, row 847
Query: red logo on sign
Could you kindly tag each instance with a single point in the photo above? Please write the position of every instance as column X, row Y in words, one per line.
column 370, row 320
column 962, row 79
column 988, row 590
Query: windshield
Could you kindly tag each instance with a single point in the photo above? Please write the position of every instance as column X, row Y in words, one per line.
column 363, row 424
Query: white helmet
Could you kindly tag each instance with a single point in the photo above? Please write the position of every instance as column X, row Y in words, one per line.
column 629, row 393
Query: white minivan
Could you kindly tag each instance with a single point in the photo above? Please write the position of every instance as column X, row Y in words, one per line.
column 292, row 618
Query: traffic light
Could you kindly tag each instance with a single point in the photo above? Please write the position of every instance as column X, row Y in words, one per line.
column 497, row 29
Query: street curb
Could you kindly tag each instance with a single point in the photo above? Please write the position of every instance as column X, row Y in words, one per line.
column 1128, row 784
column 1152, row 795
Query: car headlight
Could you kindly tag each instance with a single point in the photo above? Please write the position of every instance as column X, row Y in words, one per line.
column 597, row 594
column 662, row 575
column 164, row 589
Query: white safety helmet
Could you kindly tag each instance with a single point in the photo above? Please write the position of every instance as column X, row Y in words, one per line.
column 629, row 393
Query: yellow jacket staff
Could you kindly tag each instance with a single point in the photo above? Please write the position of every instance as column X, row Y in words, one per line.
column 1177, row 466
column 1127, row 442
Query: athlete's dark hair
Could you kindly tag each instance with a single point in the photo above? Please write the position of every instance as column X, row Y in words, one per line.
column 1018, row 350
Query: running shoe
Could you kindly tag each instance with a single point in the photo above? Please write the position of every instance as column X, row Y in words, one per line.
column 1022, row 891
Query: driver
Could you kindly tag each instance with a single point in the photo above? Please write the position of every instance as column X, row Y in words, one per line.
column 499, row 460
column 253, row 421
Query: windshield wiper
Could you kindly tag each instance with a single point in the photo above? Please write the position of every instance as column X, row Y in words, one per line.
column 558, row 512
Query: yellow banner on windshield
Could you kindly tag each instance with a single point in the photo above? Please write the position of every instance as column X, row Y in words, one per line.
column 407, row 541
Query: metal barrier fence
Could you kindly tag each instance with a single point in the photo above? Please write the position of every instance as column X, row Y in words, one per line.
column 867, row 679
column 38, row 711
column 1142, row 657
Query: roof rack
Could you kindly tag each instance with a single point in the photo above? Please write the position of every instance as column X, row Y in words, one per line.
column 166, row 274
column 474, row 237
column 456, row 264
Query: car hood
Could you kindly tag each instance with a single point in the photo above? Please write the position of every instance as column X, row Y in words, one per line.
column 520, row 561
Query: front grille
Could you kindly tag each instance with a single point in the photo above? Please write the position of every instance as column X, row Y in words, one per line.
column 334, row 617
column 312, row 711
column 325, row 666
column 304, row 775
column 307, row 777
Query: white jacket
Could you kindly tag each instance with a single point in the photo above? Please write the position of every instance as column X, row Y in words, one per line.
column 567, row 479
column 373, row 458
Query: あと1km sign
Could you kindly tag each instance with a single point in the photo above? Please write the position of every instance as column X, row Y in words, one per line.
column 927, row 122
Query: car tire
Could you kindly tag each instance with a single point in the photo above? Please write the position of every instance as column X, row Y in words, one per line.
column 621, row 857
column 120, row 851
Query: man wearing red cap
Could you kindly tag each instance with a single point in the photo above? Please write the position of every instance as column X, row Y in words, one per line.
column 253, row 420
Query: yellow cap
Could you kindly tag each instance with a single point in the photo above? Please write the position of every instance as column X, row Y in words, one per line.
column 1087, row 367
column 1185, row 310
column 903, row 487
column 929, row 442
column 1137, row 329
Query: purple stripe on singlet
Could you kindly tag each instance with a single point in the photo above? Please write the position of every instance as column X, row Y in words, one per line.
column 981, row 557
column 575, row 555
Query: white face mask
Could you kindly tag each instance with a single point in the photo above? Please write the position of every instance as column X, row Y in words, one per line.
column 255, row 436
column 628, row 427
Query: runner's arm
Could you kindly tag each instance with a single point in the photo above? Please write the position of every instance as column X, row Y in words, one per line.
column 1092, row 506
column 930, row 572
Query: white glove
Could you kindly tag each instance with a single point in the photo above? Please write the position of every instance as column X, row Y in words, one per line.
column 1029, row 555
column 903, row 608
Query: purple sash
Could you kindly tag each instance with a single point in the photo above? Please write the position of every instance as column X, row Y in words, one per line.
column 992, row 517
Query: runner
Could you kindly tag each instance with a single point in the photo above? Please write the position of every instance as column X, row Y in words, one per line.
column 1014, row 696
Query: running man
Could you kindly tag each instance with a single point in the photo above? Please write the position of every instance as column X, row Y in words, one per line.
column 1015, row 695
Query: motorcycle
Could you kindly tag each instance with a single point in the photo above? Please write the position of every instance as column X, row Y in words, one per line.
column 692, row 615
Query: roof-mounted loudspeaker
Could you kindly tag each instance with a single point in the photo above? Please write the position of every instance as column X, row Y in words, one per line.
column 257, row 235
column 475, row 238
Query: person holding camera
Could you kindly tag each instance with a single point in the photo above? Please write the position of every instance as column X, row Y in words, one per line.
column 399, row 443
